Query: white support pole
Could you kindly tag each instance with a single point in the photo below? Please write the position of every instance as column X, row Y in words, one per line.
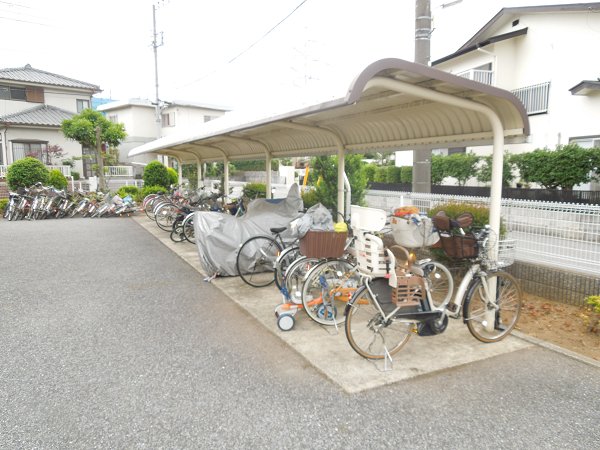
column 198, row 170
column 268, row 172
column 179, row 170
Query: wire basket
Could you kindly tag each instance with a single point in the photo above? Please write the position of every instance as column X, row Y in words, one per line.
column 505, row 256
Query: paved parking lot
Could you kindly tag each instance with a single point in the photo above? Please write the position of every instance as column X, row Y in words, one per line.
column 108, row 339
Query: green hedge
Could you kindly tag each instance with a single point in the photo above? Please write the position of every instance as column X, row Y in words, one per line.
column 26, row 172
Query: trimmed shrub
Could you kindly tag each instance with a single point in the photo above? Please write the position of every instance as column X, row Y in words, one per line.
column 152, row 190
column 3, row 204
column 57, row 179
column 255, row 190
column 380, row 175
column 173, row 176
column 406, row 174
column 309, row 198
column 75, row 175
column 392, row 174
column 370, row 171
column 124, row 191
column 481, row 213
column 156, row 174
column 26, row 172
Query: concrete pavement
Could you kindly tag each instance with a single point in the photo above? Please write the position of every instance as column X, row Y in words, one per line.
column 328, row 350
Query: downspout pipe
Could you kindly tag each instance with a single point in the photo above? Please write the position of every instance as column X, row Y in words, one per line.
column 489, row 113
column 348, row 197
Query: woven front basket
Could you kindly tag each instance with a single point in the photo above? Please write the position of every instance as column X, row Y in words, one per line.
column 459, row 247
column 323, row 244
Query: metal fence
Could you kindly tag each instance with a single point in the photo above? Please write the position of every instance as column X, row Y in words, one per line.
column 561, row 236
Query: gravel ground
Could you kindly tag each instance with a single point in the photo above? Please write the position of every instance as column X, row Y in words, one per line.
column 109, row 340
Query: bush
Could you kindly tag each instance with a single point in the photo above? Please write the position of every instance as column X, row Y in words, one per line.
column 593, row 319
column 370, row 170
column 255, row 190
column 481, row 213
column 26, row 172
column 392, row 174
column 75, row 175
column 309, row 198
column 3, row 203
column 124, row 191
column 57, row 179
column 156, row 174
column 173, row 176
column 152, row 190
column 406, row 174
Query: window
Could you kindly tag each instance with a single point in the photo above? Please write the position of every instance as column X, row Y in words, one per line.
column 36, row 150
column 209, row 118
column 113, row 118
column 168, row 119
column 82, row 104
column 13, row 93
column 586, row 141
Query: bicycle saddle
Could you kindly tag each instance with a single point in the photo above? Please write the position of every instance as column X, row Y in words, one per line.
column 277, row 230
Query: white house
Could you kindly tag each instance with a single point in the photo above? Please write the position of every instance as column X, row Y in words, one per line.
column 139, row 118
column 547, row 56
column 33, row 103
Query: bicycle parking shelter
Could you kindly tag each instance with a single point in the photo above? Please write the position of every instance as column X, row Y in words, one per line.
column 392, row 104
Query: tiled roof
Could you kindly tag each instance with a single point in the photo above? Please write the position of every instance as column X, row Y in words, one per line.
column 42, row 115
column 30, row 75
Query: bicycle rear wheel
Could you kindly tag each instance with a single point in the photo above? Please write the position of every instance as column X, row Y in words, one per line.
column 492, row 319
column 327, row 289
column 367, row 331
column 256, row 260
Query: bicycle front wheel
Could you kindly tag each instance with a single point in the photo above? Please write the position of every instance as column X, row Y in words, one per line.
column 165, row 216
column 327, row 289
column 256, row 260
column 285, row 259
column 188, row 228
column 368, row 332
column 492, row 318
column 439, row 281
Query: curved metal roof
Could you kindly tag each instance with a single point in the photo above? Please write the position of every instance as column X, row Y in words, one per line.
column 392, row 104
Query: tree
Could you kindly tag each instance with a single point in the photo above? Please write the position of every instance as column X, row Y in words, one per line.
column 564, row 167
column 91, row 129
column 484, row 173
column 438, row 169
column 325, row 169
column 26, row 172
column 461, row 166
column 156, row 174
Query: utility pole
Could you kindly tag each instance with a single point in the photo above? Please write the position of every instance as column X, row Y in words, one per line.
column 155, row 46
column 422, row 158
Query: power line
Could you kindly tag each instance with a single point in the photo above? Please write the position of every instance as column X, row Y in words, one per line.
column 24, row 21
column 250, row 46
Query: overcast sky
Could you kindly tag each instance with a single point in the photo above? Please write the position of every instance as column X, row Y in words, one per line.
column 234, row 53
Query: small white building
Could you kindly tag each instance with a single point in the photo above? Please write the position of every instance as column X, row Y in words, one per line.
column 140, row 120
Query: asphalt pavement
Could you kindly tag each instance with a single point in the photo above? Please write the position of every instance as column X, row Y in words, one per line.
column 109, row 339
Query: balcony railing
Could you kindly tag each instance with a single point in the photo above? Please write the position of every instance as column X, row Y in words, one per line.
column 534, row 98
column 118, row 171
column 482, row 76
